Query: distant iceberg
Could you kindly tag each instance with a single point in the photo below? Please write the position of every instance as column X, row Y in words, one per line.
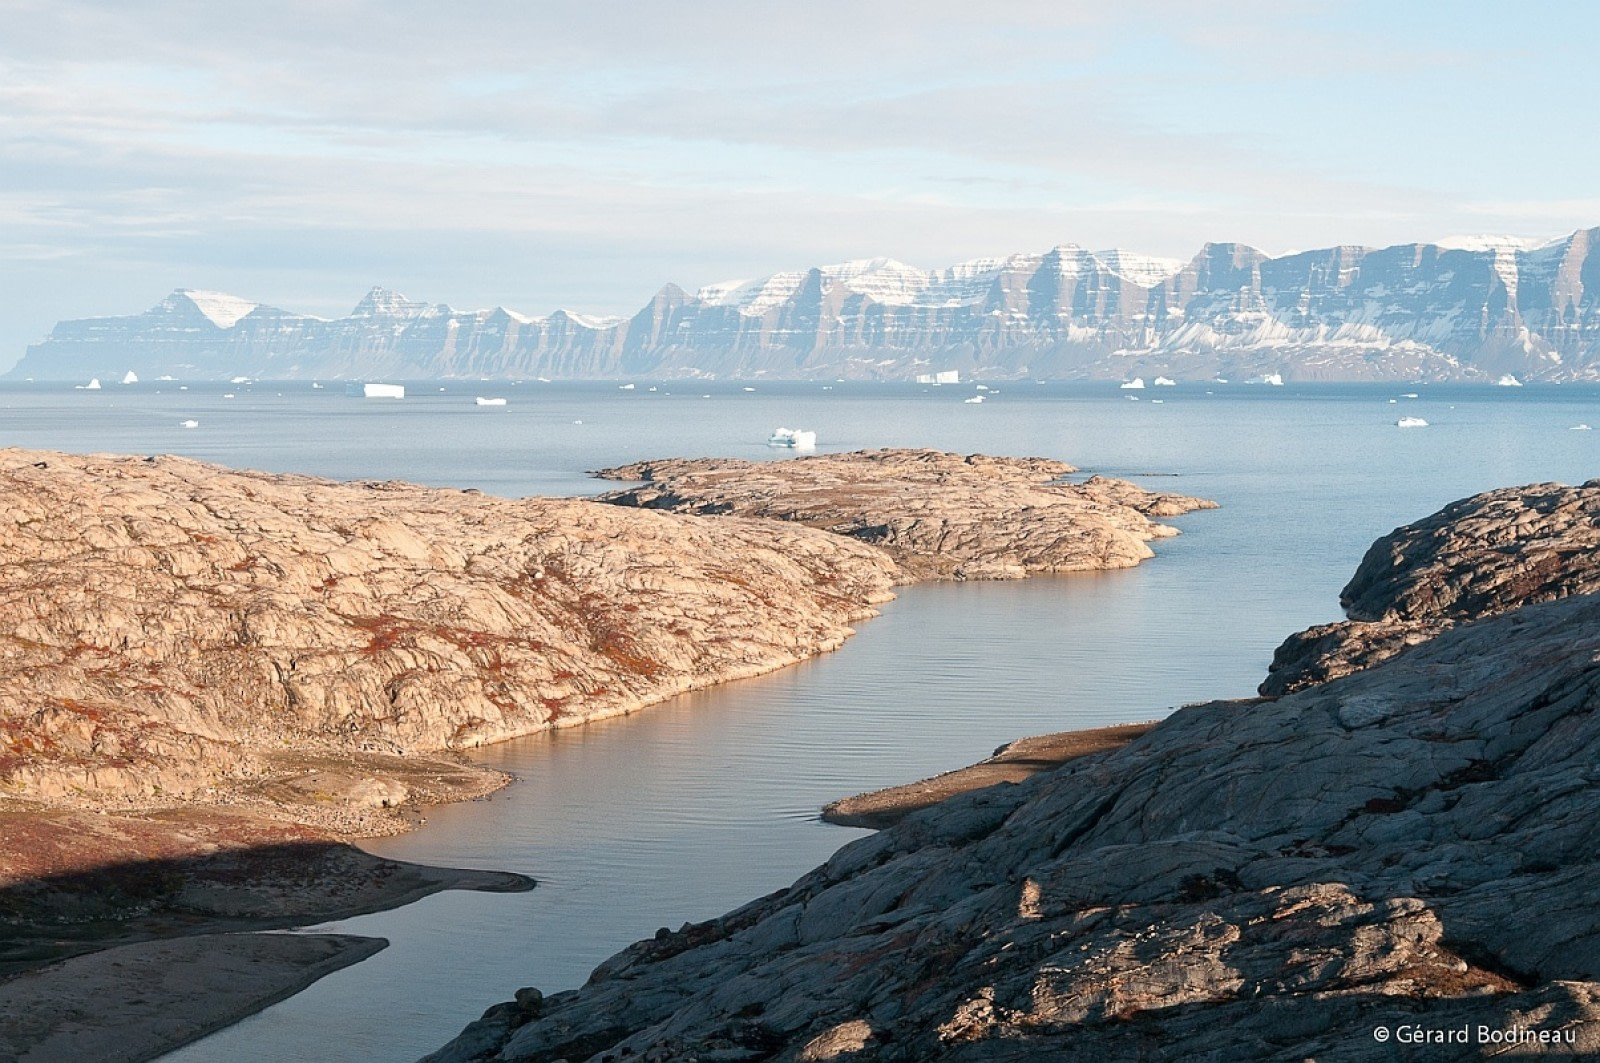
column 1509, row 381
column 383, row 391
column 944, row 376
column 1411, row 422
column 92, row 385
column 793, row 437
column 1136, row 382
column 1579, row 428
column 130, row 377
column 975, row 398
column 1165, row 382
column 481, row 401
column 1270, row 379
column 191, row 423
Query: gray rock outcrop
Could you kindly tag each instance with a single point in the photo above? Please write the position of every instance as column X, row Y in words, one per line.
column 941, row 516
column 1398, row 863
column 1478, row 557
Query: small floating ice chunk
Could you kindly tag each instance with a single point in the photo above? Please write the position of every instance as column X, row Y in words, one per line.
column 1509, row 381
column 975, row 398
column 1165, row 382
column 1579, row 428
column 797, row 438
column 1411, row 422
column 1135, row 383
column 191, row 423
column 481, row 401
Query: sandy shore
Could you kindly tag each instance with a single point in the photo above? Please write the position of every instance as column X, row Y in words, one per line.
column 1012, row 762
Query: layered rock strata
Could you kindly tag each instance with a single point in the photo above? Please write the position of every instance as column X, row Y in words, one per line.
column 170, row 630
column 940, row 515
column 1399, row 858
column 1478, row 557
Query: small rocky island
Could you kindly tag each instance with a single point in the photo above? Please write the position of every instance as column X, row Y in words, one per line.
column 1396, row 860
column 939, row 515
column 211, row 679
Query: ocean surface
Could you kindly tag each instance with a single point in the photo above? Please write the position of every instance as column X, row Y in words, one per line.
column 696, row 805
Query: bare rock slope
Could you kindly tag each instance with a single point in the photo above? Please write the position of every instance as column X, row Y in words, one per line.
column 1478, row 557
column 170, row 630
column 1406, row 849
column 940, row 515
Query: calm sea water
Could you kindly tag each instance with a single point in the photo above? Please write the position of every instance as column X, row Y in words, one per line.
column 698, row 804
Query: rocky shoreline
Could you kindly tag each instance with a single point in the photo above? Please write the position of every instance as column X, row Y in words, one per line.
column 210, row 680
column 1396, row 860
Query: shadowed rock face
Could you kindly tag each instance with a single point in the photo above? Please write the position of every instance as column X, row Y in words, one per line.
column 1478, row 557
column 1414, row 844
column 942, row 516
column 169, row 628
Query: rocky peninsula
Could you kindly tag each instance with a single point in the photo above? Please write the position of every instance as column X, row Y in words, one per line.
column 1394, row 863
column 1478, row 557
column 939, row 515
column 211, row 679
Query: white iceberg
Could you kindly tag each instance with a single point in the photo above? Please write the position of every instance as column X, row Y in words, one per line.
column 1509, row 381
column 975, row 398
column 130, row 377
column 1165, row 382
column 1136, row 382
column 191, row 423
column 481, row 401
column 793, row 437
column 383, row 391
column 92, row 385
column 1411, row 422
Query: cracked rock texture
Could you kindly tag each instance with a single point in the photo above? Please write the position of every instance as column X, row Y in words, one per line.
column 942, row 516
column 169, row 628
column 1475, row 558
column 1410, row 846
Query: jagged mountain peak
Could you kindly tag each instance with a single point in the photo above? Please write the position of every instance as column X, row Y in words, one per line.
column 384, row 302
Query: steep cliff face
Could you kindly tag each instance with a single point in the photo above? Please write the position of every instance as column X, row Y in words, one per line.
column 168, row 628
column 1351, row 313
column 1402, row 857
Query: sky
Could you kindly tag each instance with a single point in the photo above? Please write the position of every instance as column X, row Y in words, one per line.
column 545, row 154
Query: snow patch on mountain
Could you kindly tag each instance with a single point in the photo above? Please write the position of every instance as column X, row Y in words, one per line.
column 220, row 308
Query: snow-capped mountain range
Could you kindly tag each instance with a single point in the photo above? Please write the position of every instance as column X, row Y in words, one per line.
column 1470, row 308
